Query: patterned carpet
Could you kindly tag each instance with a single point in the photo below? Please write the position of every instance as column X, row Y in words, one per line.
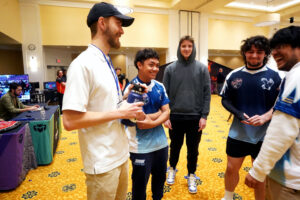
column 64, row 179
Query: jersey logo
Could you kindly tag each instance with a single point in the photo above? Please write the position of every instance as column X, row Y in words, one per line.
column 267, row 84
column 159, row 93
column 237, row 83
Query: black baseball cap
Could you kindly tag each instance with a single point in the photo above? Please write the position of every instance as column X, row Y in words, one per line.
column 107, row 10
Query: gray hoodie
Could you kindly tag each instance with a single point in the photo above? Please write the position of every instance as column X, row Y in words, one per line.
column 187, row 83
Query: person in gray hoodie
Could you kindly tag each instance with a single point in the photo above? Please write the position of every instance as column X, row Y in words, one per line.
column 187, row 83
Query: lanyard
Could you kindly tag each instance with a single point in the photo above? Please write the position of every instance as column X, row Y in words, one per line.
column 110, row 65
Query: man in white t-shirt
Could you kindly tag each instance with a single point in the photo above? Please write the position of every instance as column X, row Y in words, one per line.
column 279, row 157
column 92, row 104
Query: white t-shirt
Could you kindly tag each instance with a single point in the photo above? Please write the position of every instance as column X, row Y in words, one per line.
column 91, row 86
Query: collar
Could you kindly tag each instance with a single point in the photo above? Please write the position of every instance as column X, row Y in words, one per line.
column 254, row 71
column 142, row 81
column 295, row 66
column 251, row 69
column 96, row 52
column 150, row 85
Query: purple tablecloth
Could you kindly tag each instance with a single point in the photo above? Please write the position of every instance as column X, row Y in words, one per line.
column 16, row 156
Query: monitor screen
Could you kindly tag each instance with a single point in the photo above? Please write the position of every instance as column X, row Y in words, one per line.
column 34, row 85
column 50, row 85
column 23, row 80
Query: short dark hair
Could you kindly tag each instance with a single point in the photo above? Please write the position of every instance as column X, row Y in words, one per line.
column 145, row 54
column 289, row 35
column 260, row 42
column 14, row 86
column 187, row 37
column 93, row 29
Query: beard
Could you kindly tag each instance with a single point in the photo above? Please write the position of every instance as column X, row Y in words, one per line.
column 17, row 94
column 113, row 39
column 256, row 65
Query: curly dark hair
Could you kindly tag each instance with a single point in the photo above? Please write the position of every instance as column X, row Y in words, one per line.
column 145, row 54
column 260, row 42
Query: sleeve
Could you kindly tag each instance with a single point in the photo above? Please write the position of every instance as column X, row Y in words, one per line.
column 10, row 106
column 77, row 90
column 281, row 133
column 165, row 100
column 289, row 99
column 206, row 94
column 226, row 90
column 227, row 102
column 22, row 106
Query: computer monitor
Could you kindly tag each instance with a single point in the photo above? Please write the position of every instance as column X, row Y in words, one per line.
column 23, row 80
column 50, row 85
column 34, row 85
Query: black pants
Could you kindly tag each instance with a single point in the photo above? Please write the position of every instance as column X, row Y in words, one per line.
column 60, row 100
column 193, row 137
column 144, row 164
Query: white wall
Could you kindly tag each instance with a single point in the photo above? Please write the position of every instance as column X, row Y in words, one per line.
column 50, row 55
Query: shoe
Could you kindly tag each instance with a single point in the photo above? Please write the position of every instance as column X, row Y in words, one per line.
column 171, row 176
column 192, row 185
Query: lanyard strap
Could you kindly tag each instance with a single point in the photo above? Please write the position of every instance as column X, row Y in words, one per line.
column 110, row 65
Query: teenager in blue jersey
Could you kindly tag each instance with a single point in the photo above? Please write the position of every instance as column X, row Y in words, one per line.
column 148, row 144
column 279, row 155
column 249, row 93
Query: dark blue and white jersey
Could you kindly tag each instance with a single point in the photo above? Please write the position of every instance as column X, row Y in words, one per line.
column 253, row 92
column 149, row 140
column 287, row 169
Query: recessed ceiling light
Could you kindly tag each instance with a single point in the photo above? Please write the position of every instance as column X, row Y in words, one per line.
column 236, row 4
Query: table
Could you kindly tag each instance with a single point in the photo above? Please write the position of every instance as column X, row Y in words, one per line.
column 45, row 133
column 16, row 156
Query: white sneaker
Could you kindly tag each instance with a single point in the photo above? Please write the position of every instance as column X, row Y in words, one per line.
column 171, row 176
column 192, row 184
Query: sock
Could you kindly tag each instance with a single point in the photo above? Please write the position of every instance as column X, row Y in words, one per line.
column 228, row 195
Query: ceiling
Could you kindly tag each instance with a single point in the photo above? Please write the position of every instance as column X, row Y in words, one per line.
column 236, row 8
column 242, row 8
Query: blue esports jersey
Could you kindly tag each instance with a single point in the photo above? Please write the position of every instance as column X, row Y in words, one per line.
column 149, row 140
column 286, row 170
column 253, row 92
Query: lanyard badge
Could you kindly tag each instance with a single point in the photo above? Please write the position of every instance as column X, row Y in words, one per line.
column 110, row 65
